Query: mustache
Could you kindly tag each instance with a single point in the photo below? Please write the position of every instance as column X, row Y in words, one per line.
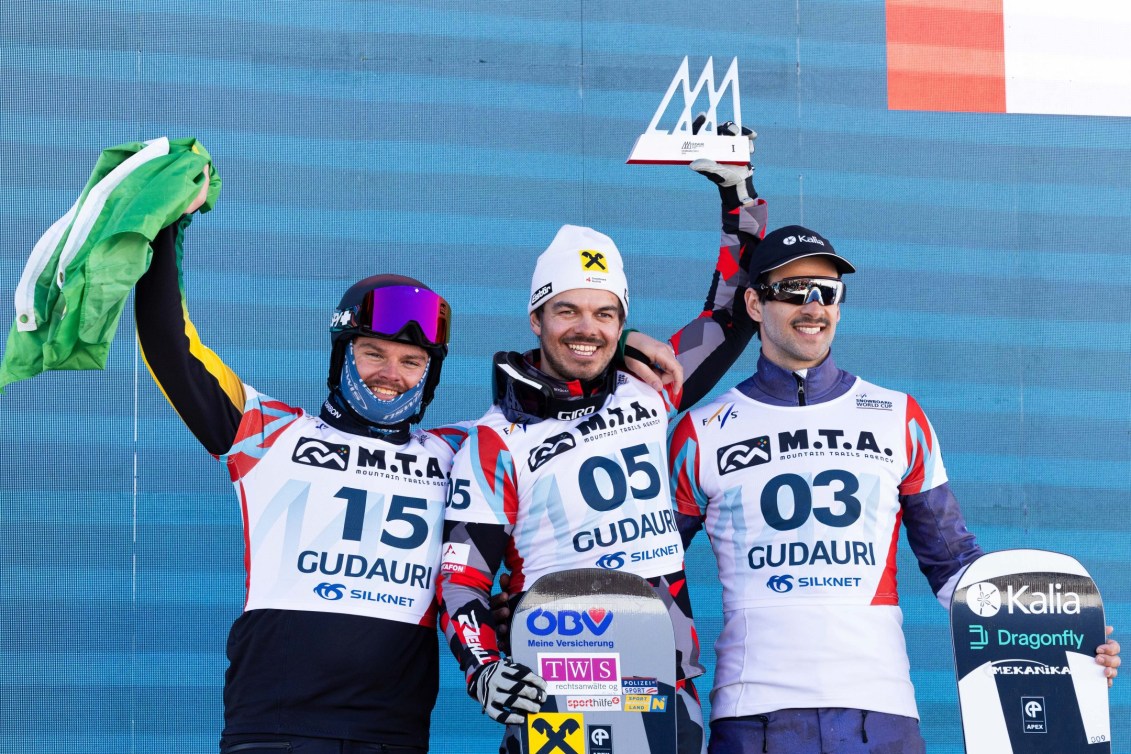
column 808, row 319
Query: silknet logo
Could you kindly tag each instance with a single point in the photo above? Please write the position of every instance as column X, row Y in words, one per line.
column 984, row 599
column 780, row 584
column 331, row 592
column 611, row 561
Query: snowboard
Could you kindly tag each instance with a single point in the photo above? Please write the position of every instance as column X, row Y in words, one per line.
column 1025, row 625
column 605, row 645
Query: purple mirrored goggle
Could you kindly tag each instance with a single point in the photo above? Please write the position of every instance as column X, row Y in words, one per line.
column 391, row 310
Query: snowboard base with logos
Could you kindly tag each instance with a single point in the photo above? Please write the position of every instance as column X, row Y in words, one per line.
column 1025, row 625
column 604, row 643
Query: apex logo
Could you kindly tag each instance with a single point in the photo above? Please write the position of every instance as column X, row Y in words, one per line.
column 540, row 455
column 1033, row 714
column 324, row 455
column 600, row 739
column 743, row 455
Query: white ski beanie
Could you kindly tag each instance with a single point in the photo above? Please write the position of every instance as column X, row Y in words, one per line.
column 578, row 258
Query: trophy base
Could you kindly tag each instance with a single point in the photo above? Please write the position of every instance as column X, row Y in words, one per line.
column 660, row 148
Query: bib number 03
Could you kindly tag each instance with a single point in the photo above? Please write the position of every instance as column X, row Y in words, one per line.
column 843, row 484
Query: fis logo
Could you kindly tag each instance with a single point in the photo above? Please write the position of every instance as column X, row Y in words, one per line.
column 330, row 592
column 600, row 739
column 743, row 455
column 324, row 455
column 1033, row 714
column 780, row 584
column 612, row 561
column 593, row 261
column 550, row 447
column 724, row 415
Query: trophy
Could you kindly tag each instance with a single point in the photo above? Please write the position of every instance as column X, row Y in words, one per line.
column 683, row 144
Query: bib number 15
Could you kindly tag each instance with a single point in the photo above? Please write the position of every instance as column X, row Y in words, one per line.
column 401, row 509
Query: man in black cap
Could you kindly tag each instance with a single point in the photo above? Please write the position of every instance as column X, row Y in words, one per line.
column 801, row 475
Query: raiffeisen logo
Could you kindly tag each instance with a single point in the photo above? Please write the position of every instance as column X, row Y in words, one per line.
column 986, row 600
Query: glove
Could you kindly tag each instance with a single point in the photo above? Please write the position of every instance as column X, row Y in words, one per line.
column 508, row 690
column 736, row 184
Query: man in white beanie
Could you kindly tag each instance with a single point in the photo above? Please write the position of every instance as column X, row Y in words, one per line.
column 573, row 450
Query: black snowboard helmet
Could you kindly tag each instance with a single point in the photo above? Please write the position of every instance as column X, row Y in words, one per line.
column 397, row 308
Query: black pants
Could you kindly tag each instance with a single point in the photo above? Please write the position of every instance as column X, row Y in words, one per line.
column 275, row 744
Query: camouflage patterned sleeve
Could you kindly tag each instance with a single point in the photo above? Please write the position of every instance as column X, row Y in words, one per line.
column 708, row 345
column 690, row 502
column 477, row 528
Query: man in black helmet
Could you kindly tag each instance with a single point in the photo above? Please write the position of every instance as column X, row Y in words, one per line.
column 336, row 647
column 336, row 650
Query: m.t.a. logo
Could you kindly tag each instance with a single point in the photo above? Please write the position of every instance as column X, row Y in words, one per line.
column 324, row 455
column 550, row 447
column 744, row 454
column 371, row 461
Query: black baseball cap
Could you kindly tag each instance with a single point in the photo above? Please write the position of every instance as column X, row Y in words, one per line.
column 782, row 246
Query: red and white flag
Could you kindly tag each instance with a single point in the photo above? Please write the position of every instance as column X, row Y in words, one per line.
column 1060, row 57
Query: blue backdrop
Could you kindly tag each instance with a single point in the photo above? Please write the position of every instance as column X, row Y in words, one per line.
column 448, row 141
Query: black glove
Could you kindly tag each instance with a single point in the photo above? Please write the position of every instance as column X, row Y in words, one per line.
column 508, row 690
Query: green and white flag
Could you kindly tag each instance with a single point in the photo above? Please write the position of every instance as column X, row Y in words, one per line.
column 75, row 283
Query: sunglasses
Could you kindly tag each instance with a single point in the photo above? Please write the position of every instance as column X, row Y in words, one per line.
column 803, row 290
column 391, row 310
